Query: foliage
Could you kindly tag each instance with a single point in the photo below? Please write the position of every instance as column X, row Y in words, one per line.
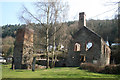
column 10, row 51
column 7, row 46
column 91, row 67
column 9, row 30
column 109, row 69
column 115, row 54
column 112, row 69
column 5, row 49
column 8, row 40
column 105, row 28
column 108, row 29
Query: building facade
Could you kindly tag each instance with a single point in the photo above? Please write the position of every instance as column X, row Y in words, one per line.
column 87, row 46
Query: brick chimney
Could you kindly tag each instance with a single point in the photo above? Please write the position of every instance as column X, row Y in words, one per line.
column 82, row 19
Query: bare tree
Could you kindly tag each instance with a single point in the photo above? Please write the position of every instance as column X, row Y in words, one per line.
column 48, row 14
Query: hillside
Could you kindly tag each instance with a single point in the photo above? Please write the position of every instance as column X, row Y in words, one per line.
column 108, row 29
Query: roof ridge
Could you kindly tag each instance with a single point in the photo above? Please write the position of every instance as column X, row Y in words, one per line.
column 92, row 31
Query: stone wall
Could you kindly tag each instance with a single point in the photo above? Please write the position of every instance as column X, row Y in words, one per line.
column 83, row 36
column 23, row 49
column 105, row 53
column 95, row 54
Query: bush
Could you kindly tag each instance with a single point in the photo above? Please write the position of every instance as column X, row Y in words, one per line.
column 109, row 69
column 112, row 69
column 91, row 67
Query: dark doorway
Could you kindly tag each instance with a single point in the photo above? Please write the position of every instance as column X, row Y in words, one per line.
column 82, row 59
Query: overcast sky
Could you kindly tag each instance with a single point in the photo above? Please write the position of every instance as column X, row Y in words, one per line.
column 10, row 9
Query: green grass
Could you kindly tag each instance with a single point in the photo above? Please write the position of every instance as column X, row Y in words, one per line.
column 59, row 72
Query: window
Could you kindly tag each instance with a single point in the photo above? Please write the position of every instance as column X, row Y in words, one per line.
column 107, row 52
column 77, row 47
column 89, row 46
column 104, row 50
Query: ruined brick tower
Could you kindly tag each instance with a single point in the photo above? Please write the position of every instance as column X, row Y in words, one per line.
column 23, row 49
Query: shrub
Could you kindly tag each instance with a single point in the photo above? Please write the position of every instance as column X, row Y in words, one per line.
column 118, row 69
column 109, row 69
column 112, row 69
column 91, row 67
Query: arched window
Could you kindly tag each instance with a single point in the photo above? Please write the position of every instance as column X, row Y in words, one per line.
column 107, row 52
column 77, row 47
column 89, row 46
column 104, row 50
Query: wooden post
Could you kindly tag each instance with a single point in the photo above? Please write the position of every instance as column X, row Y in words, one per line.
column 13, row 66
column 33, row 63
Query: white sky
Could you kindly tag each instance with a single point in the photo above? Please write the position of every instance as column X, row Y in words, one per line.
column 90, row 7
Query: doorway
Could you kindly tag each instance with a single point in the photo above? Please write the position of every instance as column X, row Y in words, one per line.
column 82, row 59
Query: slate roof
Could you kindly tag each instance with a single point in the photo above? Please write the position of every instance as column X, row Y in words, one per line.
column 84, row 27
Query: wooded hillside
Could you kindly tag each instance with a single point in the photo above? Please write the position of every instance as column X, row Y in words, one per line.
column 108, row 29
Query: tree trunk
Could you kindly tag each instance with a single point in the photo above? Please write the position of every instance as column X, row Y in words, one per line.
column 53, row 55
column 47, row 49
column 47, row 38
column 13, row 66
column 55, row 58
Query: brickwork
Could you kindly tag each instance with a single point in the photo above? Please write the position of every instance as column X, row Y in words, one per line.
column 23, row 49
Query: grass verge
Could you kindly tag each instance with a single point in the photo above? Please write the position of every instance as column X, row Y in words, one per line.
column 58, row 72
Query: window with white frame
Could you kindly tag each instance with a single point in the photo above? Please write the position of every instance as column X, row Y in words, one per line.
column 77, row 47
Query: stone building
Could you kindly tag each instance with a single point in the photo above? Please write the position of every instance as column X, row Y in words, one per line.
column 87, row 46
column 23, row 49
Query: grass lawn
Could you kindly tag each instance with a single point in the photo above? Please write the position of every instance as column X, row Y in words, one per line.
column 58, row 72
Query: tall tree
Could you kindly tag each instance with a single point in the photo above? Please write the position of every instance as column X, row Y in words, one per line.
column 48, row 14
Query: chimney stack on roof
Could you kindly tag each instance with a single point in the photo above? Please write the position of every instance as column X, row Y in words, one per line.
column 82, row 19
